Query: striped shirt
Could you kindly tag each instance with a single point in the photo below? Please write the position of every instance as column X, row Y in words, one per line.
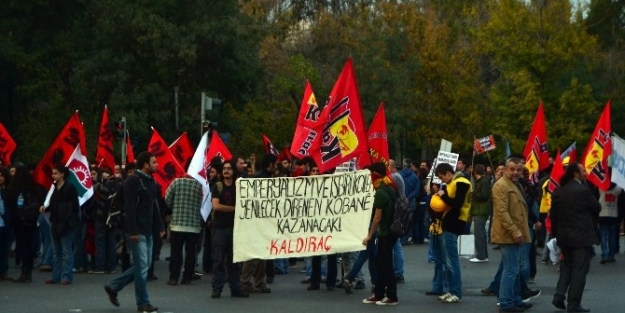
column 184, row 198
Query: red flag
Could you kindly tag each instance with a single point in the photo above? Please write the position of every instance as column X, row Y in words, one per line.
column 344, row 135
column 130, row 155
column 168, row 167
column 285, row 154
column 556, row 173
column 483, row 144
column 104, row 155
column 182, row 150
column 378, row 142
column 217, row 148
column 309, row 126
column 7, row 146
column 536, row 152
column 269, row 147
column 61, row 149
column 570, row 154
column 599, row 148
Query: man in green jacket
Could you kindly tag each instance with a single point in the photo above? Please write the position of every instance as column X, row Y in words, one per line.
column 481, row 208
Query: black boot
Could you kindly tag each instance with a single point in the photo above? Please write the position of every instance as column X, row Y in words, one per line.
column 26, row 276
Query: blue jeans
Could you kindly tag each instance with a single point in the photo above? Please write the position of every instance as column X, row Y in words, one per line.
column 439, row 282
column 281, row 266
column 609, row 233
column 398, row 259
column 523, row 271
column 451, row 263
column 141, row 251
column 510, row 291
column 63, row 251
column 369, row 254
column 105, row 258
column 46, row 239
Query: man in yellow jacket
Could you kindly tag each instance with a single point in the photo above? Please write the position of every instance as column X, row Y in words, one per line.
column 510, row 230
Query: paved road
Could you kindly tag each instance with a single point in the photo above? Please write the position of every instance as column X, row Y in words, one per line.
column 604, row 292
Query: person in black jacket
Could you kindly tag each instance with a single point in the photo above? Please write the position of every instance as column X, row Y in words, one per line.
column 64, row 214
column 142, row 218
column 574, row 214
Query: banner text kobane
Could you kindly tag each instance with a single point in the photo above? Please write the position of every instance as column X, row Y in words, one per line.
column 302, row 216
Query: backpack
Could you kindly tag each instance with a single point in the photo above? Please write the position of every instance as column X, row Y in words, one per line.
column 402, row 216
column 116, row 214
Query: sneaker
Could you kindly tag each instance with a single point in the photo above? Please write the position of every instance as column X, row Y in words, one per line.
column 66, row 282
column 152, row 278
column 488, row 292
column 216, row 294
column 347, row 285
column 400, row 279
column 444, row 296
column 476, row 260
column 97, row 272
column 531, row 295
column 387, row 301
column 45, row 268
column 146, row 308
column 112, row 295
column 603, row 261
column 50, row 281
column 451, row 299
column 360, row 285
column 306, row 281
column 371, row 300
column 543, row 261
column 172, row 282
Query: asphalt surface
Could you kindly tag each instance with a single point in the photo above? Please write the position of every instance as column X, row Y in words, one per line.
column 604, row 292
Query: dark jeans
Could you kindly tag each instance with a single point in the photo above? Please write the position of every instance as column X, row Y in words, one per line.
column 207, row 259
column 24, row 237
column 5, row 247
column 81, row 262
column 573, row 271
column 419, row 230
column 315, row 278
column 105, row 242
column 178, row 240
column 222, row 258
column 387, row 282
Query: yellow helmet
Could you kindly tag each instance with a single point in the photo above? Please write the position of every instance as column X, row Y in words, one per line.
column 438, row 205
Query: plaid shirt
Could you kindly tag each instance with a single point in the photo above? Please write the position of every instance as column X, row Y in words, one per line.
column 184, row 198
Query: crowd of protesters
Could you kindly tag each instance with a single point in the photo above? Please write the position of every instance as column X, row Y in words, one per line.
column 500, row 205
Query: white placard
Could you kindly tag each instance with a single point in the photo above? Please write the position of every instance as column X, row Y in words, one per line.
column 301, row 216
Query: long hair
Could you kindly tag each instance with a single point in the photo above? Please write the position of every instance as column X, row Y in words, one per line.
column 6, row 174
column 569, row 173
column 63, row 170
column 21, row 182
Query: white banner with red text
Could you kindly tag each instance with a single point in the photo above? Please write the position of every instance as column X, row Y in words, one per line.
column 301, row 216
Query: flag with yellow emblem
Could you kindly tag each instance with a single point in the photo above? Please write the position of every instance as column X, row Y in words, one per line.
column 344, row 135
column 599, row 148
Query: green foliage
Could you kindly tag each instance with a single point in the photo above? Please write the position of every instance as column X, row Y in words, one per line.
column 444, row 69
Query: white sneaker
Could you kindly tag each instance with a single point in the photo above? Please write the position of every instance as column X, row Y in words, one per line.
column 476, row 260
column 445, row 296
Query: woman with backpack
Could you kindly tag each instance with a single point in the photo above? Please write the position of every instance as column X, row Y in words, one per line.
column 64, row 212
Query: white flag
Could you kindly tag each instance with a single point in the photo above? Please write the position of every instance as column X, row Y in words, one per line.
column 197, row 170
column 618, row 161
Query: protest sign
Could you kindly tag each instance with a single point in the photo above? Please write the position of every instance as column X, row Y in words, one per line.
column 301, row 216
column 443, row 157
